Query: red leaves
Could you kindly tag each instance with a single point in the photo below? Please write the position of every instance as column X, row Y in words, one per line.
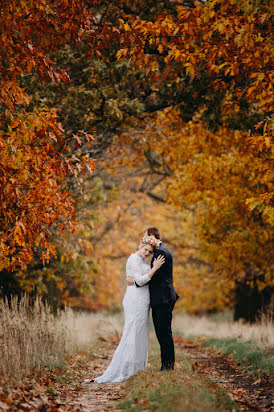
column 34, row 163
column 32, row 174
column 30, row 30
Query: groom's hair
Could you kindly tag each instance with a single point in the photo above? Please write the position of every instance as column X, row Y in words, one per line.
column 154, row 231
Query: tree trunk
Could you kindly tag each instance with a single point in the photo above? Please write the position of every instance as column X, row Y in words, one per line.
column 251, row 303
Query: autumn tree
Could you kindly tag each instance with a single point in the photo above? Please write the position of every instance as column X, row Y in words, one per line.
column 207, row 174
column 220, row 54
column 225, row 44
column 208, row 61
column 53, row 96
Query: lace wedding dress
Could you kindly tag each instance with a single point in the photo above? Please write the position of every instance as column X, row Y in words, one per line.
column 131, row 354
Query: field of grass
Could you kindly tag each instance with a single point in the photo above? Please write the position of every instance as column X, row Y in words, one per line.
column 32, row 339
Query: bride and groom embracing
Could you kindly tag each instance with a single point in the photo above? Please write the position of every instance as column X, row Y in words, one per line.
column 147, row 285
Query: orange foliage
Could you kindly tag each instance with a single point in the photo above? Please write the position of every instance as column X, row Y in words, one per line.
column 34, row 157
column 126, row 213
column 208, row 178
column 32, row 198
column 230, row 41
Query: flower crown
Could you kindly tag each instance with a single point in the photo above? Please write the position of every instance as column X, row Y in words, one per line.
column 150, row 241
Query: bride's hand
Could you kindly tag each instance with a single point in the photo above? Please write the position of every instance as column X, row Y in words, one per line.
column 159, row 261
column 130, row 280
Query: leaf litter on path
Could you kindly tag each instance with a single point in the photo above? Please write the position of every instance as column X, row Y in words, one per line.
column 64, row 390
column 251, row 394
column 60, row 391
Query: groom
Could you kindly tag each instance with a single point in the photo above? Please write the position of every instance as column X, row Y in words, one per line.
column 162, row 301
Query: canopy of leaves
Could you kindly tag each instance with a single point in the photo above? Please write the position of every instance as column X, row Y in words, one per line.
column 207, row 175
column 71, row 70
column 33, row 158
column 225, row 50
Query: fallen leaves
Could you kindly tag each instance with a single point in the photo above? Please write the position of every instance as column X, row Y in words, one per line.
column 63, row 390
column 222, row 369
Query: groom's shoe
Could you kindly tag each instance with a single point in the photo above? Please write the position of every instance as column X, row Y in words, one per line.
column 167, row 368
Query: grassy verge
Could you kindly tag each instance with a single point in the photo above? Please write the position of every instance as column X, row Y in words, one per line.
column 32, row 338
column 174, row 391
column 221, row 326
column 252, row 358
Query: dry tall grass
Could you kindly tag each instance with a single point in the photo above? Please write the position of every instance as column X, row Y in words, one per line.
column 31, row 337
column 85, row 328
column 261, row 332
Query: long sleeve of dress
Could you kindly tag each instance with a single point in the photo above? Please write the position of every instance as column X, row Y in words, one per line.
column 135, row 268
column 131, row 354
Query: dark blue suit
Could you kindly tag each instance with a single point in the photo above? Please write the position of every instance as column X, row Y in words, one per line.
column 162, row 301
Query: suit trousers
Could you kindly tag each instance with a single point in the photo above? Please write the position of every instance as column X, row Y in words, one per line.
column 162, row 317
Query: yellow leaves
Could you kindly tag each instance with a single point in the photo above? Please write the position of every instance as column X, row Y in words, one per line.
column 122, row 53
column 260, row 76
column 229, row 70
column 154, row 66
column 176, row 31
column 264, row 17
column 190, row 69
column 168, row 24
column 221, row 27
column 259, row 38
column 263, row 204
column 222, row 65
column 127, row 27
column 160, row 48
column 124, row 25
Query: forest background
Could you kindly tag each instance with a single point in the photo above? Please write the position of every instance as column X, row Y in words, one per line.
column 120, row 115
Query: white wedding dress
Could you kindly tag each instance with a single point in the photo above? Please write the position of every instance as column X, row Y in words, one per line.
column 131, row 354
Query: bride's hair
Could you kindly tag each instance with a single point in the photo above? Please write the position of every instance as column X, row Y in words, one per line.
column 149, row 241
column 154, row 231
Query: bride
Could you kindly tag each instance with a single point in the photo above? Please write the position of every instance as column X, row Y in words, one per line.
column 131, row 354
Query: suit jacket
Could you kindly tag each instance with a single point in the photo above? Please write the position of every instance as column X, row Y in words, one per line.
column 161, row 285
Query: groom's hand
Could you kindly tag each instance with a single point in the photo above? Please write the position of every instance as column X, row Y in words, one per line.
column 130, row 280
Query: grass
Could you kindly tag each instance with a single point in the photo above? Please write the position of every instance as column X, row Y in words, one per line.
column 252, row 358
column 221, row 326
column 250, row 344
column 173, row 391
column 32, row 338
column 35, row 343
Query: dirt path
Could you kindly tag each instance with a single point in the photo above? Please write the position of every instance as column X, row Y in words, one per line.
column 251, row 394
column 50, row 393
column 92, row 396
column 64, row 390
